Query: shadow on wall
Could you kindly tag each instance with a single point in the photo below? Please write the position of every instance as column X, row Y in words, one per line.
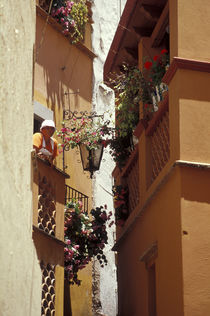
column 62, row 69
column 195, row 184
column 67, row 299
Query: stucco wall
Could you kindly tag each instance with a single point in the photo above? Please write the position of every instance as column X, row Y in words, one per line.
column 20, row 277
column 106, row 16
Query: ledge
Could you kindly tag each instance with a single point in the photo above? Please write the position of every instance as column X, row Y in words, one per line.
column 54, row 239
column 51, row 21
column 67, row 176
column 192, row 164
column 183, row 63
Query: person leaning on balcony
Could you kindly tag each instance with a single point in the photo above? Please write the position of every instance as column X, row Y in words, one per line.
column 46, row 147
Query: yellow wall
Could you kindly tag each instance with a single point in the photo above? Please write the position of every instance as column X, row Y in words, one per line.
column 20, row 290
column 64, row 68
column 51, row 84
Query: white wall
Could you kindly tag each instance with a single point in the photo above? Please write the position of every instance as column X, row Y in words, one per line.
column 20, row 276
column 106, row 14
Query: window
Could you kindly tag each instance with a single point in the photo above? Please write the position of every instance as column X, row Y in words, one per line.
column 149, row 257
column 41, row 113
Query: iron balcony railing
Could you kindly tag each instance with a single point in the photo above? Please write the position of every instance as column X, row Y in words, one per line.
column 72, row 193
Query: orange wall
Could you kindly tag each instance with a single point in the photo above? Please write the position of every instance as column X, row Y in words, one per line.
column 160, row 222
column 175, row 208
column 189, row 29
column 195, row 204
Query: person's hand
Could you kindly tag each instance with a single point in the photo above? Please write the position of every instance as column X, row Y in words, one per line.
column 41, row 155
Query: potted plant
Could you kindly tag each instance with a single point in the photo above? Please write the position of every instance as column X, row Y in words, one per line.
column 72, row 15
column 154, row 70
column 120, row 204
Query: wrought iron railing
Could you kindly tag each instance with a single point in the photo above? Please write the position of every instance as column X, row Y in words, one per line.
column 72, row 193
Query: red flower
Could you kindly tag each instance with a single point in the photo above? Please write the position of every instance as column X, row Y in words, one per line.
column 148, row 65
column 164, row 51
column 105, row 143
column 155, row 57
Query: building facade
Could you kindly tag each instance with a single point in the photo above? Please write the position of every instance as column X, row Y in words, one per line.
column 20, row 291
column 163, row 253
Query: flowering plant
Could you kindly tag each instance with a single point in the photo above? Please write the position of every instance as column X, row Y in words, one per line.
column 72, row 15
column 154, row 71
column 120, row 204
column 85, row 238
column 84, row 131
column 126, row 85
column 120, row 149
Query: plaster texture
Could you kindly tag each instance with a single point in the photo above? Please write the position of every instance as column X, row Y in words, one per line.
column 106, row 15
column 20, row 276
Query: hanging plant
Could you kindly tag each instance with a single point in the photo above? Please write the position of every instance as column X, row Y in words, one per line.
column 85, row 131
column 85, row 238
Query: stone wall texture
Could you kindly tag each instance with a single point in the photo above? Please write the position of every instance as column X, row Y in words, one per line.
column 20, row 276
column 106, row 15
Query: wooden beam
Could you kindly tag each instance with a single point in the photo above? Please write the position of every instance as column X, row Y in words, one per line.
column 160, row 28
column 150, row 12
column 133, row 52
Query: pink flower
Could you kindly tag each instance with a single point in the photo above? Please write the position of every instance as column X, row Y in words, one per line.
column 80, row 204
column 104, row 216
column 155, row 58
column 65, row 32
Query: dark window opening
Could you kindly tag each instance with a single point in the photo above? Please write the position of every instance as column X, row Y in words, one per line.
column 37, row 123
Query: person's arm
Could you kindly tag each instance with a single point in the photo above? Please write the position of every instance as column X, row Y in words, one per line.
column 55, row 151
column 37, row 141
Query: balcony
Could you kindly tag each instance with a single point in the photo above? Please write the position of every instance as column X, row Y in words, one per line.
column 48, row 231
column 72, row 193
column 148, row 159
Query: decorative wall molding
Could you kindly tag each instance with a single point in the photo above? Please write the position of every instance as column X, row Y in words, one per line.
column 184, row 63
column 150, row 253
